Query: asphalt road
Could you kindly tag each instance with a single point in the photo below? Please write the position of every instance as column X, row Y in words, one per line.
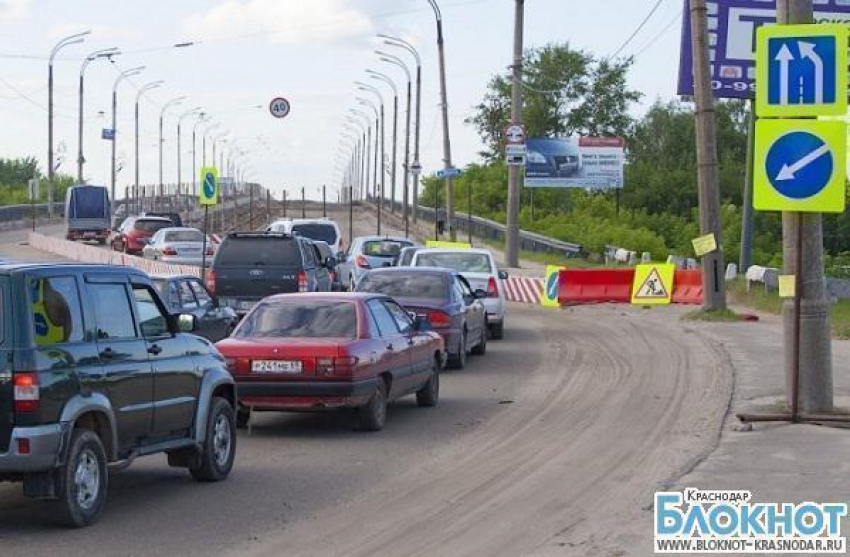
column 551, row 444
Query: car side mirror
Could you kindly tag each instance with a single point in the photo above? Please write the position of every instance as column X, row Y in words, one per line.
column 187, row 323
column 422, row 323
column 480, row 294
column 330, row 263
column 503, row 275
column 341, row 257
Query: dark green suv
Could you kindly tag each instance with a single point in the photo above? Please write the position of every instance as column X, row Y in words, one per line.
column 94, row 370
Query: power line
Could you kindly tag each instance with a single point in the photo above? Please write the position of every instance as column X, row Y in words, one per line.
column 660, row 34
column 636, row 31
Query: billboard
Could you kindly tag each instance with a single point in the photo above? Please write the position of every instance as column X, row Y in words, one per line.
column 732, row 28
column 567, row 162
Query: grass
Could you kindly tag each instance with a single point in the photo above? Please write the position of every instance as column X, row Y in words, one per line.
column 770, row 302
column 545, row 258
column 713, row 315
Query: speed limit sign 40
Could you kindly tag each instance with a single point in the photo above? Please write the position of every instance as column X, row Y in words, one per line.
column 279, row 107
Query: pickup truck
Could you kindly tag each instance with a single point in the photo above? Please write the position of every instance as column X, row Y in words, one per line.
column 250, row 266
column 88, row 213
column 94, row 371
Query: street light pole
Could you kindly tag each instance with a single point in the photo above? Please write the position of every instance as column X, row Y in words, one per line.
column 142, row 90
column 389, row 58
column 447, row 147
column 51, row 164
column 192, row 112
column 386, row 79
column 173, row 102
column 103, row 53
column 379, row 122
column 202, row 118
column 204, row 142
column 114, row 172
column 514, row 171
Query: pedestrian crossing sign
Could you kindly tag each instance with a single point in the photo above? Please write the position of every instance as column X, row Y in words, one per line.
column 653, row 284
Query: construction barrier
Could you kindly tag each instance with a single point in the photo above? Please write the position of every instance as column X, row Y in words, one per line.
column 687, row 286
column 523, row 289
column 85, row 253
column 595, row 286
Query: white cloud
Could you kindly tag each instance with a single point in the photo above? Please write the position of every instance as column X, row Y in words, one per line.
column 286, row 22
column 13, row 9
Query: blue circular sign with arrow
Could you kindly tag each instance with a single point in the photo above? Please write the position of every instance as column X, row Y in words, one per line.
column 552, row 287
column 209, row 184
column 799, row 165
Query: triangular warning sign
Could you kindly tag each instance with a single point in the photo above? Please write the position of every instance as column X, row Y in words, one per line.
column 652, row 288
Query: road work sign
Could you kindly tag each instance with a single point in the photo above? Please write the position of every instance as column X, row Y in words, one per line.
column 209, row 186
column 801, row 70
column 800, row 165
column 653, row 284
column 550, row 287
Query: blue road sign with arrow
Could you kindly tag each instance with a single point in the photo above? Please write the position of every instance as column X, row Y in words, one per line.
column 799, row 165
column 450, row 172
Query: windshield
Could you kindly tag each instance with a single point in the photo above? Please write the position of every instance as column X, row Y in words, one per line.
column 151, row 226
column 303, row 319
column 460, row 262
column 323, row 232
column 384, row 248
column 184, row 236
column 258, row 250
column 405, row 285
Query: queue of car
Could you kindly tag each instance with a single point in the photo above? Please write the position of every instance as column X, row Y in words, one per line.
column 148, row 378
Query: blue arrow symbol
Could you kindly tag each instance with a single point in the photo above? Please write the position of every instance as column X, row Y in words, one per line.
column 787, row 172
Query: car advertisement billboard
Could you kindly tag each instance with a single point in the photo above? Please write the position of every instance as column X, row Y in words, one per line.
column 568, row 162
column 732, row 28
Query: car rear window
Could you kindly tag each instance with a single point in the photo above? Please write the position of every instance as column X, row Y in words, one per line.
column 147, row 225
column 259, row 250
column 302, row 319
column 384, row 248
column 316, row 231
column 405, row 285
column 460, row 262
column 184, row 236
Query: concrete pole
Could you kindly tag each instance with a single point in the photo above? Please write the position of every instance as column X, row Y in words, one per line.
column 383, row 173
column 406, row 181
column 447, row 146
column 815, row 358
column 713, row 272
column 395, row 154
column 515, row 172
column 416, row 142
column 747, row 211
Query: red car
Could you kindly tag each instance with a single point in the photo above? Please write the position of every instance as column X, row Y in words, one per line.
column 133, row 234
column 317, row 351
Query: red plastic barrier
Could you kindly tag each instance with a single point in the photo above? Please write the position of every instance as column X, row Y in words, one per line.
column 594, row 286
column 687, row 287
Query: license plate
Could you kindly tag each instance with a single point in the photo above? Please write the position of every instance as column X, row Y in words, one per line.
column 89, row 235
column 275, row 366
column 190, row 250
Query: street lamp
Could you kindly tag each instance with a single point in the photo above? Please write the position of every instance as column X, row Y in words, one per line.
column 396, row 61
column 204, row 135
column 378, row 125
column 146, row 87
column 416, row 167
column 374, row 90
column 386, row 79
column 367, row 138
column 447, row 147
column 202, row 119
column 114, row 172
column 97, row 54
column 192, row 112
column 51, row 168
column 173, row 102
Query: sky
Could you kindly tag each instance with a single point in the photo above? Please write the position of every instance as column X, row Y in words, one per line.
column 247, row 52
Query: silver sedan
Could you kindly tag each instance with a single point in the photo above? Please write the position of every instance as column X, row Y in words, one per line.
column 181, row 246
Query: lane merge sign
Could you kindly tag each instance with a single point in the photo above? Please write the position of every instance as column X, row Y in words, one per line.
column 551, row 284
column 801, row 70
column 800, row 165
column 653, row 284
column 280, row 107
column 208, row 194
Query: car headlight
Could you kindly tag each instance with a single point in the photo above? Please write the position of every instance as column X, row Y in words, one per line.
column 535, row 158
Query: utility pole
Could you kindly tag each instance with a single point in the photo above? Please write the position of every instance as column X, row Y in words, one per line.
column 303, row 204
column 747, row 210
column 514, row 171
column 713, row 273
column 324, row 202
column 814, row 375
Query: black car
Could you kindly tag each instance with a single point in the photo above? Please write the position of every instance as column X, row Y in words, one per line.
column 328, row 259
column 173, row 217
column 97, row 371
column 441, row 295
column 187, row 294
column 249, row 266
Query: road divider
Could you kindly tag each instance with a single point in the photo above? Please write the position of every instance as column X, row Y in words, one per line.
column 524, row 290
column 597, row 286
column 687, row 286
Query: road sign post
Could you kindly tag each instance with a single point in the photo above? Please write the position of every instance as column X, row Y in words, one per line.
column 208, row 195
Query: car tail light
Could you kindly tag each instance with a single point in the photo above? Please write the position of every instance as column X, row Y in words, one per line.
column 211, row 281
column 362, row 262
column 210, row 251
column 169, row 251
column 23, row 445
column 302, row 281
column 335, row 366
column 27, row 394
column 439, row 319
column 492, row 288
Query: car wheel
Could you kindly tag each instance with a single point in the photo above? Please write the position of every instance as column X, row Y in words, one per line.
column 351, row 284
column 243, row 416
column 429, row 394
column 373, row 415
column 481, row 348
column 458, row 360
column 83, row 481
column 219, row 450
column 497, row 330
